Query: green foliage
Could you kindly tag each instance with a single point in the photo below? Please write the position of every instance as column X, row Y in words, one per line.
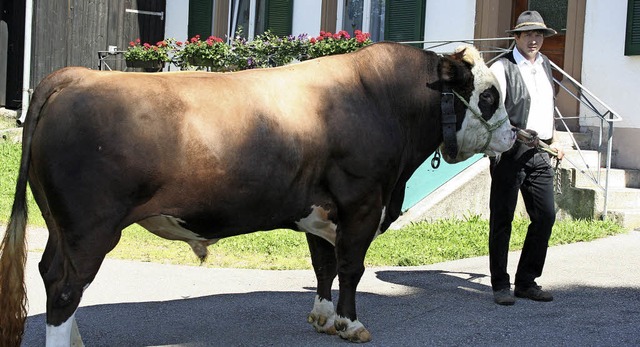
column 148, row 52
column 213, row 53
column 10, row 158
column 265, row 50
column 338, row 43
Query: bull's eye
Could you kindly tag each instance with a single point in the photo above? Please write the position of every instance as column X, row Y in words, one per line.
column 487, row 97
column 488, row 102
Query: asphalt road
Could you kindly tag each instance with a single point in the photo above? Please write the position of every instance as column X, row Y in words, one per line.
column 596, row 287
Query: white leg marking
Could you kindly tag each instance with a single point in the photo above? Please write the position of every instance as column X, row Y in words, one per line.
column 61, row 335
column 322, row 316
column 318, row 223
column 352, row 330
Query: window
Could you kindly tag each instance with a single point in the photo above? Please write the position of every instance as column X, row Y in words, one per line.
column 394, row 20
column 632, row 40
column 200, row 18
column 254, row 17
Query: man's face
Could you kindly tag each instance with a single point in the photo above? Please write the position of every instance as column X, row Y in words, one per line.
column 529, row 43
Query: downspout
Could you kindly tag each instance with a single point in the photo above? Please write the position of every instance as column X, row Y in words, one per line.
column 26, row 72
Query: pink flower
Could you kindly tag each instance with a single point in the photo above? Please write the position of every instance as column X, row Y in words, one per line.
column 131, row 43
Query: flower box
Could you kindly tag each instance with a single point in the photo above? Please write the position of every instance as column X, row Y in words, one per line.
column 147, row 65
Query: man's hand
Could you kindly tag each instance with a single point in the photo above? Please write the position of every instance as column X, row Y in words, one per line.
column 528, row 137
column 558, row 149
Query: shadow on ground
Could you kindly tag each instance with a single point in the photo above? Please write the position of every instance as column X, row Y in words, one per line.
column 438, row 309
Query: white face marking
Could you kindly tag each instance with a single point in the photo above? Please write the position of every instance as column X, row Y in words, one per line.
column 65, row 334
column 473, row 134
column 318, row 223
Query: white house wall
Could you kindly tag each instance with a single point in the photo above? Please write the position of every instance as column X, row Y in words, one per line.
column 306, row 17
column 176, row 20
column 612, row 76
column 606, row 71
column 448, row 21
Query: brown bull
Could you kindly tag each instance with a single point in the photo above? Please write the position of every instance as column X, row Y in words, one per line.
column 325, row 147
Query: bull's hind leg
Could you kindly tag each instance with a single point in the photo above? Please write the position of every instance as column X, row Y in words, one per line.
column 323, row 258
column 69, row 264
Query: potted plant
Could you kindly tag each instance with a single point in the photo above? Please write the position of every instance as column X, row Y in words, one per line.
column 338, row 43
column 147, row 56
column 213, row 54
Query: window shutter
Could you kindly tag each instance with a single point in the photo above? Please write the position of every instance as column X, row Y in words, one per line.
column 200, row 12
column 632, row 40
column 404, row 20
column 278, row 18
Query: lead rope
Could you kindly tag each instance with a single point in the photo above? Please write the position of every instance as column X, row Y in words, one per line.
column 557, row 177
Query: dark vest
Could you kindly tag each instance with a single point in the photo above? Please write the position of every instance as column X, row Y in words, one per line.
column 518, row 100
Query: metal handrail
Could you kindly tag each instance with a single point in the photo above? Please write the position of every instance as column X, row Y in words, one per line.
column 586, row 98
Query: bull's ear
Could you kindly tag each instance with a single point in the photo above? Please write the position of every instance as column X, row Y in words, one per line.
column 453, row 71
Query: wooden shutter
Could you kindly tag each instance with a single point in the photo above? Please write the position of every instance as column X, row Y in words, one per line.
column 200, row 12
column 278, row 18
column 404, row 20
column 632, row 40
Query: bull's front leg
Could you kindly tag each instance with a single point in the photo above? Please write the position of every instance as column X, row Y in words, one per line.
column 354, row 235
column 323, row 258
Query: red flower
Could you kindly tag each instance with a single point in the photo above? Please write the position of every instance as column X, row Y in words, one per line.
column 312, row 40
column 131, row 43
column 137, row 40
column 179, row 43
column 146, row 45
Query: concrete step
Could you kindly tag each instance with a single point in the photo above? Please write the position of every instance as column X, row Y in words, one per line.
column 628, row 218
column 620, row 198
column 583, row 159
column 582, row 140
column 618, row 178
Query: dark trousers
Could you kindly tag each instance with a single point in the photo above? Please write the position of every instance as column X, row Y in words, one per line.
column 532, row 175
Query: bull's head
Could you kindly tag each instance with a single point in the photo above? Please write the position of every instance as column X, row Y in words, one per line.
column 484, row 126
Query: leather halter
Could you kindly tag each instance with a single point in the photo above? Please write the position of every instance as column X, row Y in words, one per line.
column 449, row 122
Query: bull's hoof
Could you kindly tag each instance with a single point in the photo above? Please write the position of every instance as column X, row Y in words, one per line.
column 353, row 331
column 319, row 323
column 322, row 317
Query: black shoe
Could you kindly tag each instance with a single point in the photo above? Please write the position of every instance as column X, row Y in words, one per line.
column 504, row 297
column 534, row 293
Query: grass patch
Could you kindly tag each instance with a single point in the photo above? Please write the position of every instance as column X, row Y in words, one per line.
column 417, row 244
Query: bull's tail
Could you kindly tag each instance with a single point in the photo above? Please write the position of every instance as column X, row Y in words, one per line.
column 13, row 251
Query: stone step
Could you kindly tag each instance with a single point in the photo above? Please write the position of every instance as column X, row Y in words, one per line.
column 583, row 159
column 618, row 178
column 620, row 198
column 582, row 140
column 628, row 218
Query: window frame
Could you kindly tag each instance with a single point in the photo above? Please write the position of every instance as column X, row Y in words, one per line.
column 632, row 37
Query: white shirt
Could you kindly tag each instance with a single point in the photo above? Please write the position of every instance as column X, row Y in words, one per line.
column 540, row 90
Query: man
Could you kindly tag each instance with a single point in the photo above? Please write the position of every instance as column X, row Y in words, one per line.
column 526, row 86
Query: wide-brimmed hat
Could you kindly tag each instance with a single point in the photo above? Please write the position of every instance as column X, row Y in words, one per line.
column 531, row 20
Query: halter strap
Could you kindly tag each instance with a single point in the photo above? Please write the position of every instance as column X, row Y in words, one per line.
column 449, row 122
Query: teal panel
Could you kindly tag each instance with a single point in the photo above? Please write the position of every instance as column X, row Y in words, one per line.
column 427, row 179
